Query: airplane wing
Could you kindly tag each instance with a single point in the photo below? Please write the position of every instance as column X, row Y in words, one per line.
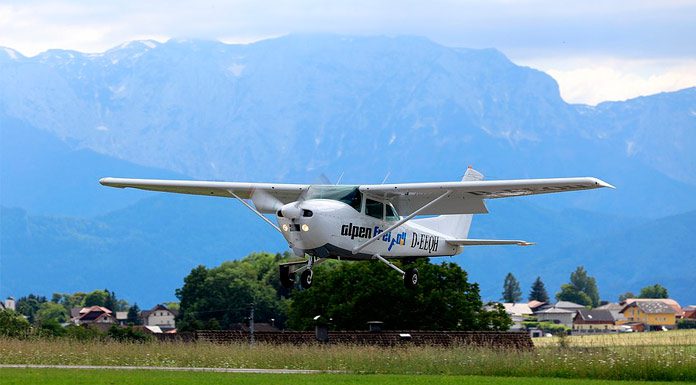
column 258, row 192
column 467, row 197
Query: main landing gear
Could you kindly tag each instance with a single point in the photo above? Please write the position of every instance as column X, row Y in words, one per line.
column 410, row 275
column 411, row 278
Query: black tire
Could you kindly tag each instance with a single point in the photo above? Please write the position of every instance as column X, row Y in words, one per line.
column 286, row 278
column 306, row 279
column 411, row 278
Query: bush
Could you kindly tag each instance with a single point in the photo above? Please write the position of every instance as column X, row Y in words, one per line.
column 51, row 328
column 686, row 324
column 82, row 333
column 530, row 324
column 128, row 334
column 13, row 324
column 550, row 327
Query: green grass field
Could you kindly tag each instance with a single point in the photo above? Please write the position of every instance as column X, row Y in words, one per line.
column 660, row 356
column 134, row 377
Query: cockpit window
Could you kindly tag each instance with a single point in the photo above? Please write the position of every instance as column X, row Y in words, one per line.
column 349, row 195
column 374, row 208
column 391, row 214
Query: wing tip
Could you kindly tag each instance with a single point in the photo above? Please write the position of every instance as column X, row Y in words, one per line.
column 108, row 181
column 602, row 183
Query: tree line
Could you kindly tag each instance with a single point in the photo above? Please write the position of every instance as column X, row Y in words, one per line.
column 582, row 289
column 345, row 295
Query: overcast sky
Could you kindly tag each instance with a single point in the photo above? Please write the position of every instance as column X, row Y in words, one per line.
column 596, row 50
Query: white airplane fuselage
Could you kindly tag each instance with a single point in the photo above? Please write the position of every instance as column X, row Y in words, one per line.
column 334, row 229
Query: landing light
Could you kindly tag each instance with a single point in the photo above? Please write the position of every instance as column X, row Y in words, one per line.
column 285, row 227
column 305, row 227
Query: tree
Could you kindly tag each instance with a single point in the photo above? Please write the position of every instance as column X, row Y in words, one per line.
column 654, row 291
column 69, row 301
column 96, row 298
column 110, row 302
column 29, row 305
column 12, row 324
column 511, row 289
column 626, row 295
column 496, row 319
column 352, row 293
column 581, row 288
column 224, row 295
column 51, row 311
column 538, row 292
column 133, row 317
column 51, row 327
column 570, row 293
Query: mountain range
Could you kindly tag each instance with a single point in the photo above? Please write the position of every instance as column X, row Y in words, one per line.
column 358, row 109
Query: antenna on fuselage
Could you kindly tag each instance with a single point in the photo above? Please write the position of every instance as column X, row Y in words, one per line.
column 386, row 177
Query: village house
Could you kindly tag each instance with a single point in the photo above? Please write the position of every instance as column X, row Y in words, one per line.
column 593, row 321
column 536, row 306
column 615, row 310
column 519, row 309
column 667, row 301
column 689, row 314
column 9, row 304
column 159, row 316
column 518, row 312
column 556, row 315
column 92, row 315
column 567, row 305
column 122, row 318
column 654, row 315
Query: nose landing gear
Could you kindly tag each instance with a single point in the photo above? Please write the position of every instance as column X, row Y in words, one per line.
column 306, row 279
column 288, row 275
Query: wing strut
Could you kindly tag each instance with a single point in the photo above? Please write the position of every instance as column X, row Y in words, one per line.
column 255, row 211
column 401, row 222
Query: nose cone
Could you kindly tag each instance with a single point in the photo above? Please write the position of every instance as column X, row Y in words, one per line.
column 308, row 225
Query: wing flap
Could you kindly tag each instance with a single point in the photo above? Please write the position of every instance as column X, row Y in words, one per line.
column 487, row 242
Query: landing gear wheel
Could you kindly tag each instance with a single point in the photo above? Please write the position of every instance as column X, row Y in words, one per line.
column 287, row 279
column 306, row 279
column 411, row 278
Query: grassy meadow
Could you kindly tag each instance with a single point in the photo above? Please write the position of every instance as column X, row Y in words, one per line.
column 137, row 377
column 669, row 338
column 659, row 356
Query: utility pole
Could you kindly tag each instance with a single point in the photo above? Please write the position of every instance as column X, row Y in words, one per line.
column 251, row 326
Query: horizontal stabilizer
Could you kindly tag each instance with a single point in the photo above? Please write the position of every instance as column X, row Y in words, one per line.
column 487, row 242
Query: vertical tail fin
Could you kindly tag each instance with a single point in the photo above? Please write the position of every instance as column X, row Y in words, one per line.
column 457, row 226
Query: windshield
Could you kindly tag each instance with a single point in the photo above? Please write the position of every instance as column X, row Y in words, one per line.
column 349, row 195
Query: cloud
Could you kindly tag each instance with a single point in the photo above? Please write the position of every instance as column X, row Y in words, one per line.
column 650, row 43
column 520, row 28
column 592, row 81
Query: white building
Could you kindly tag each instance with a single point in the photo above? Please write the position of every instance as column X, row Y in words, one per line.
column 160, row 316
column 9, row 304
column 556, row 315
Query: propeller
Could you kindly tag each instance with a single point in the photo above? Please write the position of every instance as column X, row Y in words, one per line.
column 266, row 202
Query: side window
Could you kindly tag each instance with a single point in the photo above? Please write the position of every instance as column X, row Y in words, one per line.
column 374, row 208
column 391, row 213
column 356, row 200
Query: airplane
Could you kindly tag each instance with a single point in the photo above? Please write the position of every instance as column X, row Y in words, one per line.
column 372, row 221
